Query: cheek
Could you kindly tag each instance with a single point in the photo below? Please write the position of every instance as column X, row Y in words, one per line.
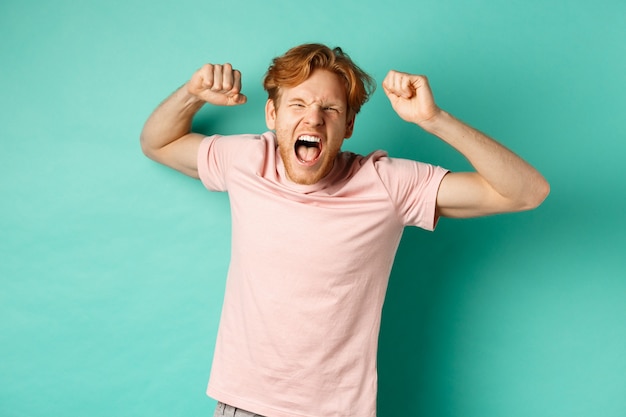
column 333, row 148
column 283, row 137
column 283, row 123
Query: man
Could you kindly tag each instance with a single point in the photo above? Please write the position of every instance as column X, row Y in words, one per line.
column 315, row 229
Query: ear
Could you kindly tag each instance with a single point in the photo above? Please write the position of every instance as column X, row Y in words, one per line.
column 270, row 114
column 350, row 126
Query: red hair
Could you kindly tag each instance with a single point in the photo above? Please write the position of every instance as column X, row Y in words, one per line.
column 297, row 64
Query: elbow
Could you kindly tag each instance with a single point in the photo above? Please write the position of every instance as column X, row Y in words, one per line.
column 146, row 149
column 540, row 192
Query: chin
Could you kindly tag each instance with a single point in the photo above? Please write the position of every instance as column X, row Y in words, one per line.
column 306, row 177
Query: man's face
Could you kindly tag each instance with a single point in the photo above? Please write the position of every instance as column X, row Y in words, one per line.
column 311, row 121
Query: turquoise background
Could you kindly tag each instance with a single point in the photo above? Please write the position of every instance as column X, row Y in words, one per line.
column 112, row 267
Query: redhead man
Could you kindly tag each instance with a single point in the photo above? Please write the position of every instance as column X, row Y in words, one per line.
column 315, row 229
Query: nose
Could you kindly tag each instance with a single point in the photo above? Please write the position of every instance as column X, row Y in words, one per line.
column 314, row 116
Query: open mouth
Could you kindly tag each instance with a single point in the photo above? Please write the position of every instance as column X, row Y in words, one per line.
column 308, row 149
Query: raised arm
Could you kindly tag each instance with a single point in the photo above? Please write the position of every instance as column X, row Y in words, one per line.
column 503, row 182
column 166, row 136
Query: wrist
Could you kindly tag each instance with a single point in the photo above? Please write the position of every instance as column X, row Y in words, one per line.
column 437, row 122
column 189, row 98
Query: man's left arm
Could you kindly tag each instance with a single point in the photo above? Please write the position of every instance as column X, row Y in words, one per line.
column 503, row 182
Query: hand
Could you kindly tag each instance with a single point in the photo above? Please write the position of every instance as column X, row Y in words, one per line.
column 410, row 97
column 219, row 85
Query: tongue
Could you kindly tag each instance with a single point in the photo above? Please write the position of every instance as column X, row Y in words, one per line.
column 307, row 153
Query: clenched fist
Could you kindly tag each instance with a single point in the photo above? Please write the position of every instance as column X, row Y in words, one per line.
column 410, row 96
column 219, row 85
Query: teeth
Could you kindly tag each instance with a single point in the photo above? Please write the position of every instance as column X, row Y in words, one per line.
column 307, row 138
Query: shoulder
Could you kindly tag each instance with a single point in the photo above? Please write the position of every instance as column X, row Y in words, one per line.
column 240, row 140
column 236, row 147
column 402, row 176
column 353, row 161
column 381, row 163
column 219, row 156
column 401, row 167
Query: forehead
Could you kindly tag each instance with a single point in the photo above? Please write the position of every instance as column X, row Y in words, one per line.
column 322, row 85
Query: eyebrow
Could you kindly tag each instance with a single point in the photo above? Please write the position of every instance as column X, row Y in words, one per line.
column 323, row 103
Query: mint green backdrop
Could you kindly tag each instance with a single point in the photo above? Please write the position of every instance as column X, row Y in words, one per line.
column 112, row 267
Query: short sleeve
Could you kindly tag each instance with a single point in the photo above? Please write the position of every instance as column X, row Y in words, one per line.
column 219, row 155
column 413, row 188
column 211, row 164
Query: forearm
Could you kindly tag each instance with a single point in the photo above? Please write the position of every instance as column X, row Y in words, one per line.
column 170, row 121
column 505, row 172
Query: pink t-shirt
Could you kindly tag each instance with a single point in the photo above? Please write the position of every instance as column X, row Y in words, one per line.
column 309, row 268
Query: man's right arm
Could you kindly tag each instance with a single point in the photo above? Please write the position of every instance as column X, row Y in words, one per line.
column 167, row 138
